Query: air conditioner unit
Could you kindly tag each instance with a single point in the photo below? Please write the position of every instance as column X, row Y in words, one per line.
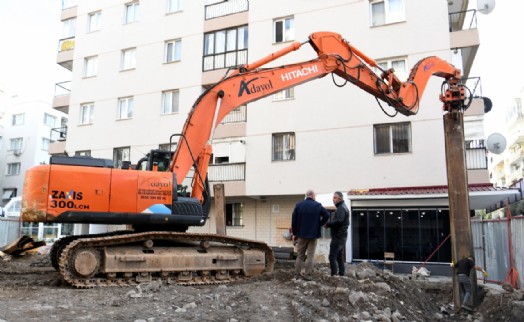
column 17, row 152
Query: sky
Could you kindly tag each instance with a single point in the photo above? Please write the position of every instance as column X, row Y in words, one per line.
column 30, row 30
column 29, row 34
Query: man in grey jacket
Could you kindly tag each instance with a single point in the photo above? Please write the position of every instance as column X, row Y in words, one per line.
column 339, row 235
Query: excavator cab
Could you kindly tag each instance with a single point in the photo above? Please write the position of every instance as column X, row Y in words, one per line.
column 155, row 160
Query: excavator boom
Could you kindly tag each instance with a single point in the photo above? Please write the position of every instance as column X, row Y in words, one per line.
column 335, row 55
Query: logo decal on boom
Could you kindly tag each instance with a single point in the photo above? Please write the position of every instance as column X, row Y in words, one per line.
column 251, row 88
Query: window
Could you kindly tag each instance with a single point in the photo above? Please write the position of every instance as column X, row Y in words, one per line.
column 284, row 95
column 399, row 65
column 132, row 12
column 120, row 155
column 8, row 193
column 93, row 22
column 128, row 60
column 16, row 144
column 49, row 120
column 90, row 66
column 125, row 108
column 69, row 28
column 283, row 146
column 84, row 153
column 86, row 113
column 386, row 11
column 175, row 5
column 284, row 30
column 225, row 48
column 170, row 102
column 392, row 138
column 13, row 169
column 173, row 50
column 234, row 214
column 45, row 144
column 18, row 119
column 167, row 147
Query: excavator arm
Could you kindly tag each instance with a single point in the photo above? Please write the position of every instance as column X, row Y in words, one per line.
column 334, row 55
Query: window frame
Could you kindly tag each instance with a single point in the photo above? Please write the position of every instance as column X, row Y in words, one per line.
column 90, row 66
column 235, row 214
column 90, row 108
column 286, row 94
column 18, row 119
column 173, row 6
column 287, row 35
column 45, row 144
column 16, row 144
column 221, row 52
column 128, row 59
column 288, row 146
column 125, row 108
column 387, row 64
column 47, row 118
column 121, row 154
column 94, row 24
column 128, row 17
column 175, row 54
column 389, row 16
column 392, row 147
column 16, row 166
column 172, row 109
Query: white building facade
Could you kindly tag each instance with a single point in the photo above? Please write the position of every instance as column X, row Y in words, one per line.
column 138, row 67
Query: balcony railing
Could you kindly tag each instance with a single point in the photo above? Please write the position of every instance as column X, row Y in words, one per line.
column 63, row 88
column 474, row 85
column 66, row 44
column 463, row 20
column 235, row 116
column 224, row 60
column 220, row 8
column 476, row 157
column 227, row 172
column 58, row 134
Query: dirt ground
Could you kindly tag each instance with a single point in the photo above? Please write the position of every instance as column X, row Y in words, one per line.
column 30, row 290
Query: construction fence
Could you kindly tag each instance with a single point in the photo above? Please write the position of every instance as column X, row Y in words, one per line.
column 10, row 229
column 497, row 244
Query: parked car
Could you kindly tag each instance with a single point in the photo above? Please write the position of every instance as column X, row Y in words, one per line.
column 13, row 207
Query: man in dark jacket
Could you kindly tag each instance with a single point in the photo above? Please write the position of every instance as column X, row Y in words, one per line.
column 464, row 267
column 339, row 235
column 308, row 218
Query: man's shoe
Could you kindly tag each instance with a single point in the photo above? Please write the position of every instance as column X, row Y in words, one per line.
column 340, row 274
column 465, row 307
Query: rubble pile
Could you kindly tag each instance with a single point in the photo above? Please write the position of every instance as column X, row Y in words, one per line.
column 30, row 289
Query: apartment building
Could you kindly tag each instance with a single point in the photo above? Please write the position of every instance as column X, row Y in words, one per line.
column 506, row 168
column 25, row 137
column 138, row 67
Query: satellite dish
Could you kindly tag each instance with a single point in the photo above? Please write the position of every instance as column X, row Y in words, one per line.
column 496, row 143
column 485, row 6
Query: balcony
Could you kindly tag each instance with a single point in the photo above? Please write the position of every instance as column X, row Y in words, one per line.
column 464, row 37
column 58, row 139
column 66, row 48
column 227, row 172
column 232, row 175
column 515, row 176
column 69, row 9
column 218, row 8
column 62, row 96
column 515, row 156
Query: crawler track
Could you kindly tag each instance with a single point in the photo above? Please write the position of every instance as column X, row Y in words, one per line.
column 133, row 258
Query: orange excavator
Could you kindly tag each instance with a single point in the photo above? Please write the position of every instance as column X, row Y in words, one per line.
column 152, row 198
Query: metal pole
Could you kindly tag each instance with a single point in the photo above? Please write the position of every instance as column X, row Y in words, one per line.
column 220, row 206
column 458, row 193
